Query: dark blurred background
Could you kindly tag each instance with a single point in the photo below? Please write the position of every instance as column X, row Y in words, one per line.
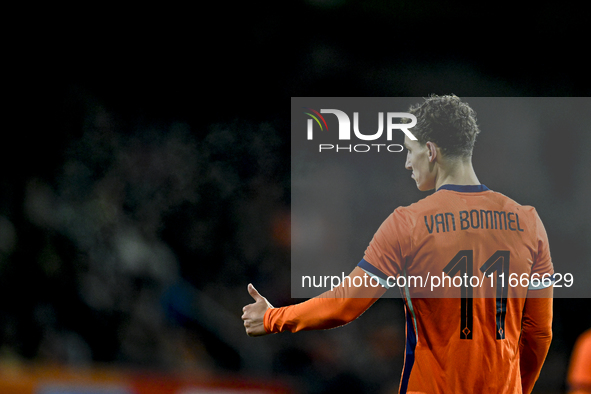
column 146, row 172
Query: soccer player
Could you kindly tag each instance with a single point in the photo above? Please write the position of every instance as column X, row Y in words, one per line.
column 579, row 371
column 483, row 332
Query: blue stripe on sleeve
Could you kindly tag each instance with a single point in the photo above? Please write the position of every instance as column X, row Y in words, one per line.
column 544, row 282
column 363, row 264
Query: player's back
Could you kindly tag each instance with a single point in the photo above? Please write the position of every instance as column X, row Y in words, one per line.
column 457, row 251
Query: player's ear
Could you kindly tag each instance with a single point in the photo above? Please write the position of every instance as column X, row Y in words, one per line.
column 431, row 151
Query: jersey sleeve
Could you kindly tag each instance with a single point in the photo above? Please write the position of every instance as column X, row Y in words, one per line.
column 542, row 262
column 331, row 309
column 536, row 336
column 315, row 314
column 536, row 326
column 387, row 251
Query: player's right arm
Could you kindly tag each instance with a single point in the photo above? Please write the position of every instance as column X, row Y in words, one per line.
column 342, row 304
column 331, row 309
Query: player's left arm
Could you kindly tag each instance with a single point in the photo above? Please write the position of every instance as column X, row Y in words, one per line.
column 536, row 325
column 536, row 335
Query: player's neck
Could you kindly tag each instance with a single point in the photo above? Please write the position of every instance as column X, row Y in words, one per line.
column 456, row 173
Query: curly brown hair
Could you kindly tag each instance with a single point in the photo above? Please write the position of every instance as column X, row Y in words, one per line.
column 447, row 121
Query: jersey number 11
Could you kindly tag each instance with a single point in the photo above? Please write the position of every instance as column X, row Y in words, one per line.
column 462, row 264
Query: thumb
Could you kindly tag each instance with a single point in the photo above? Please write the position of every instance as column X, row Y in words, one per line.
column 254, row 293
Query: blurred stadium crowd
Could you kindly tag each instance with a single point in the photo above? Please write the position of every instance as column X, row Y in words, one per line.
column 138, row 248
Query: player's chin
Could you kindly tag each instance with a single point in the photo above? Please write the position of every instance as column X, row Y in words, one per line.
column 424, row 188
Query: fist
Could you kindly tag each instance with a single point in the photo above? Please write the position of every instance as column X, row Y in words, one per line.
column 254, row 314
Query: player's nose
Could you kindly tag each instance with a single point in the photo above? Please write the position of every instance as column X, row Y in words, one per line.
column 407, row 164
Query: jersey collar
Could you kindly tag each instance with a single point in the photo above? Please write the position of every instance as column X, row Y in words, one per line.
column 465, row 188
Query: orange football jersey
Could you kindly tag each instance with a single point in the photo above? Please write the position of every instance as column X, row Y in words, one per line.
column 579, row 371
column 464, row 259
